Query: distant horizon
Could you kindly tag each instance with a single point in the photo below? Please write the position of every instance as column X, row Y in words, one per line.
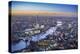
column 31, row 8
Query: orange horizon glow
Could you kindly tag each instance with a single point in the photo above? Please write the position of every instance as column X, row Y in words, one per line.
column 30, row 12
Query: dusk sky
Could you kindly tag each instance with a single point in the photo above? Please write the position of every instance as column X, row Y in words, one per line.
column 25, row 6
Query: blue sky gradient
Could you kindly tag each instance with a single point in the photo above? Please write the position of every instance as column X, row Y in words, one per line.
column 16, row 5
